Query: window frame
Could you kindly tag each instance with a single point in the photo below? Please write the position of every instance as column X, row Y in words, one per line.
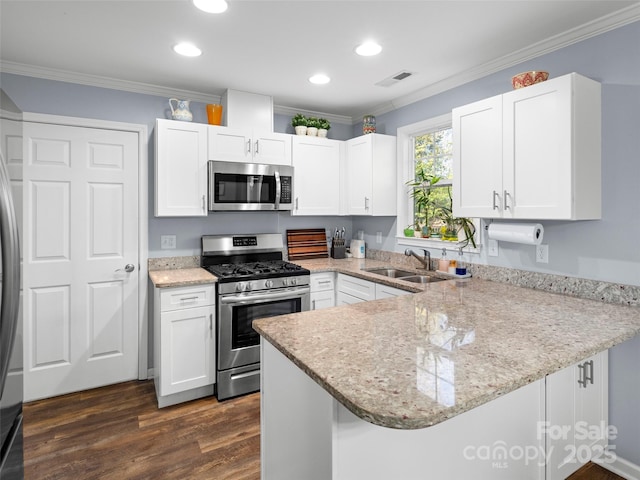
column 405, row 160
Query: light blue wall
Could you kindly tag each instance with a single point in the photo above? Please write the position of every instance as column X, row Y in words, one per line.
column 607, row 249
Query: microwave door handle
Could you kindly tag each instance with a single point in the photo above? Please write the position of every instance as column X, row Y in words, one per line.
column 278, row 190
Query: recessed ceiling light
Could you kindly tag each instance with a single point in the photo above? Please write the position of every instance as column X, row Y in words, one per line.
column 211, row 6
column 187, row 49
column 319, row 79
column 368, row 49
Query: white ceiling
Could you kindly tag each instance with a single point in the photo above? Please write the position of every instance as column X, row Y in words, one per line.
column 272, row 47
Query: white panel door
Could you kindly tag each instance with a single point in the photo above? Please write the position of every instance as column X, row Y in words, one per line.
column 359, row 175
column 229, row 144
column 80, row 231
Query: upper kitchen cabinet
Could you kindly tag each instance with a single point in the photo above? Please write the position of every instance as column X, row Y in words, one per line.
column 181, row 169
column 371, row 175
column 246, row 145
column 532, row 153
column 316, row 163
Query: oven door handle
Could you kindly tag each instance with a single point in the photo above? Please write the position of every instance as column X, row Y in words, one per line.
column 263, row 297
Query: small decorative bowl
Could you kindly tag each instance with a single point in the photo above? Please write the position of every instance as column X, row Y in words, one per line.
column 525, row 79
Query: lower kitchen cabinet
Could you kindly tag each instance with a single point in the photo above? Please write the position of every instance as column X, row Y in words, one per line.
column 184, row 343
column 385, row 291
column 323, row 290
column 577, row 416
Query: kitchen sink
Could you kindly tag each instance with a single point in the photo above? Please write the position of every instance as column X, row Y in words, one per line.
column 422, row 279
column 391, row 272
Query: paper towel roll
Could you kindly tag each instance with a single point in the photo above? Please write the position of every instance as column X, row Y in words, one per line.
column 525, row 233
column 357, row 248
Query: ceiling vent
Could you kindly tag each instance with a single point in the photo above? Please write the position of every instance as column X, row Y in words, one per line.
column 393, row 79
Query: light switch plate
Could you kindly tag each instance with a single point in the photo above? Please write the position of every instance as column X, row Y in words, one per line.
column 378, row 237
column 167, row 241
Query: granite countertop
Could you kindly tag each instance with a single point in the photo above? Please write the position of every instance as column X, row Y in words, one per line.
column 181, row 277
column 416, row 360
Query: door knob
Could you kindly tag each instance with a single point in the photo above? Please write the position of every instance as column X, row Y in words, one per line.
column 129, row 267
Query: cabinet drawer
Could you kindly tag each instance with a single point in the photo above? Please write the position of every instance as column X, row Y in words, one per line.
column 321, row 282
column 385, row 291
column 356, row 287
column 186, row 297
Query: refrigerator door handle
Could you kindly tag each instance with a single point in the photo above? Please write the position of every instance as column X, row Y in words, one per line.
column 10, row 272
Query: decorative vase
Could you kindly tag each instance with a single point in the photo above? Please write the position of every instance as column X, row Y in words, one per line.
column 181, row 112
column 425, row 232
column 322, row 132
column 312, row 131
column 300, row 129
column 368, row 124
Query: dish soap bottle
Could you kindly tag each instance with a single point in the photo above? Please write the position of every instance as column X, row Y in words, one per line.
column 443, row 263
column 461, row 266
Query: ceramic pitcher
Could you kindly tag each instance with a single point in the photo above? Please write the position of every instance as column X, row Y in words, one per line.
column 181, row 111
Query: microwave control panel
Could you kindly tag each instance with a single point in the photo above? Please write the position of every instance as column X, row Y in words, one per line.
column 285, row 190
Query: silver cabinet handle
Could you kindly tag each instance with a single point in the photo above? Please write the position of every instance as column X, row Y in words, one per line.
column 257, row 147
column 366, row 203
column 586, row 373
column 506, row 194
column 204, row 203
column 211, row 322
column 129, row 267
column 296, row 203
column 313, row 304
column 495, row 194
column 248, row 146
column 184, row 299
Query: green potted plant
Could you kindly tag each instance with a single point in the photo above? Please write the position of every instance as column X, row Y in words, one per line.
column 299, row 123
column 421, row 194
column 453, row 225
column 323, row 127
column 409, row 231
column 312, row 126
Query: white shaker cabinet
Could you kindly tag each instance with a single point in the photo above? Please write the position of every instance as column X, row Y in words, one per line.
column 577, row 415
column 371, row 175
column 246, row 145
column 532, row 153
column 323, row 290
column 316, row 163
column 385, row 291
column 180, row 169
column 184, row 343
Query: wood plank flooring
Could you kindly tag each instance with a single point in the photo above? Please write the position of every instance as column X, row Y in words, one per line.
column 118, row 433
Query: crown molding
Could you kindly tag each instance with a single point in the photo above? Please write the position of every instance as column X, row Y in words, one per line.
column 610, row 22
column 588, row 30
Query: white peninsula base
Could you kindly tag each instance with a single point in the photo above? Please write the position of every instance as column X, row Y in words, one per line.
column 307, row 434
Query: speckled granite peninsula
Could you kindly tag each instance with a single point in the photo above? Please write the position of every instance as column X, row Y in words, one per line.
column 493, row 338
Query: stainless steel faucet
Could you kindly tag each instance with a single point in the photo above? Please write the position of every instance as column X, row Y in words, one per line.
column 425, row 261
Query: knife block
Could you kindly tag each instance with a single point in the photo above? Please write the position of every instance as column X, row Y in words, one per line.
column 338, row 249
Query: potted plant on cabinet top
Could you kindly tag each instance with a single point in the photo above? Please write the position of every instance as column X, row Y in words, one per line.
column 323, row 127
column 312, row 126
column 299, row 123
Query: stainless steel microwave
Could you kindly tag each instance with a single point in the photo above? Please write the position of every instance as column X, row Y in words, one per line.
column 249, row 186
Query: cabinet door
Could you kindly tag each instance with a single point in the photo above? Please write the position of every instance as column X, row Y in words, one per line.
column 575, row 411
column 537, row 156
column 359, row 175
column 477, row 159
column 271, row 148
column 316, row 163
column 356, row 287
column 181, row 169
column 324, row 299
column 229, row 144
column 187, row 349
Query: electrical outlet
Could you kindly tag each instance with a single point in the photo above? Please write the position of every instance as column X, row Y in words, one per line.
column 379, row 237
column 167, row 241
column 542, row 253
column 492, row 248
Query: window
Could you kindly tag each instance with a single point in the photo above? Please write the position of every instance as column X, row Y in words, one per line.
column 425, row 157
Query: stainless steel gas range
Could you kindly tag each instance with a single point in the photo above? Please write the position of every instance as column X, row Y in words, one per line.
column 253, row 282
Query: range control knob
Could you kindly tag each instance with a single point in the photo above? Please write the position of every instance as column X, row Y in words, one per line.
column 293, row 281
column 268, row 283
column 243, row 287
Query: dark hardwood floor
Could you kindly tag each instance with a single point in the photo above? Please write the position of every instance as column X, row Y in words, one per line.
column 118, row 433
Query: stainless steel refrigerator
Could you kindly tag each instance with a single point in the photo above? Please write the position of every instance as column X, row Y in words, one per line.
column 11, row 382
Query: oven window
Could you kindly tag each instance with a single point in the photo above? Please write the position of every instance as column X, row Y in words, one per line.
column 242, row 188
column 243, row 334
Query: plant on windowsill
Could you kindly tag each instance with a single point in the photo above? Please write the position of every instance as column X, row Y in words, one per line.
column 299, row 124
column 421, row 194
column 453, row 225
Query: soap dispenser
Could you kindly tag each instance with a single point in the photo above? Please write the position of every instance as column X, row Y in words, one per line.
column 443, row 263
